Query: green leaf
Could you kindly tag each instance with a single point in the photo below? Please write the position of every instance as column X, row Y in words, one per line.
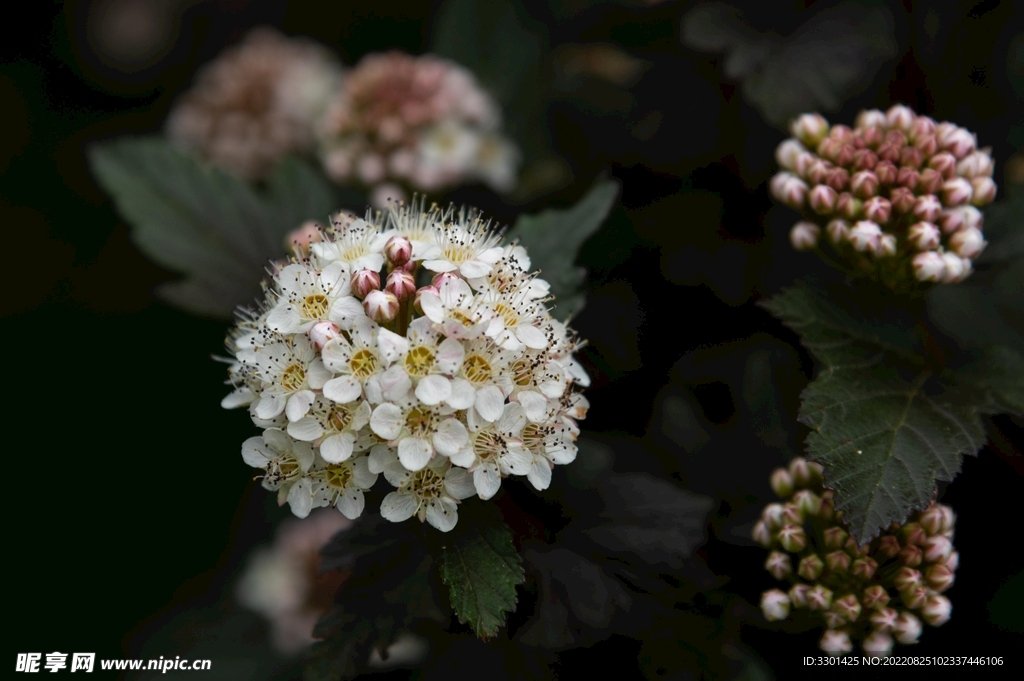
column 886, row 426
column 212, row 227
column 481, row 567
column 553, row 238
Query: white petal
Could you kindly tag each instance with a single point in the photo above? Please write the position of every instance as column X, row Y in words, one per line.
column 534, row 404
column 531, row 336
column 449, row 356
column 345, row 311
column 439, row 265
column 238, row 398
column 491, row 255
column 270, row 405
column 472, row 269
column 337, row 447
column 300, row 498
column 317, row 374
column 489, row 403
column 512, row 419
column 391, row 345
column 463, row 394
column 414, row 453
column 540, row 473
column 398, row 506
column 451, row 437
column 465, row 457
column 487, row 480
column 432, row 308
column 517, row 460
column 387, row 421
column 351, row 503
column 299, row 404
column 306, row 429
column 337, row 354
column 380, row 457
column 284, row 318
column 374, row 394
column 561, row 453
column 395, row 384
column 303, row 452
column 293, row 279
column 442, row 514
column 433, row 389
column 334, row 279
column 343, row 389
column 459, row 483
column 361, row 474
column 253, row 452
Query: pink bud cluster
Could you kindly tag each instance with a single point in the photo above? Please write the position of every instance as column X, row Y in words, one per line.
column 898, row 194
column 875, row 594
column 421, row 122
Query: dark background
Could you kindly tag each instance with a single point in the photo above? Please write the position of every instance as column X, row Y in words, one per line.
column 126, row 496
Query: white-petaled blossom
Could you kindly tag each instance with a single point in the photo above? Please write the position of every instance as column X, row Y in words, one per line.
column 470, row 380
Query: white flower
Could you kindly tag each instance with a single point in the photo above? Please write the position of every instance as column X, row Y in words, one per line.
column 460, row 314
column 466, row 246
column 494, row 450
column 291, row 371
column 306, row 296
column 417, row 431
column 342, row 485
column 431, row 494
column 482, row 380
column 358, row 245
column 354, row 360
column 284, row 462
column 333, row 427
column 425, row 357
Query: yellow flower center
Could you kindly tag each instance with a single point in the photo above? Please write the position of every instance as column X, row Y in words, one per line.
column 418, row 361
column 457, row 253
column 293, row 378
column 314, row 306
column 522, row 373
column 420, row 423
column 507, row 314
column 476, row 369
column 488, row 445
column 363, row 363
column 426, row 483
column 340, row 417
column 338, row 475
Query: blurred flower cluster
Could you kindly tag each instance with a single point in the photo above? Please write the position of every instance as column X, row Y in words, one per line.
column 445, row 387
column 393, row 123
column 897, row 194
column 870, row 594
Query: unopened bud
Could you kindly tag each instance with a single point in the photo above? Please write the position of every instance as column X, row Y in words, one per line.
column 928, row 266
column 939, row 577
column 953, row 562
column 808, row 502
column 864, row 184
column 927, row 208
column 864, row 568
column 835, row 642
column 889, row 153
column 442, row 277
column 936, row 610
column 298, row 240
column 775, row 605
column 363, row 282
column 804, row 235
column 908, row 177
column 884, row 619
column 837, row 178
column 761, row 534
column 832, row 619
column 948, row 516
column 984, row 189
column 782, row 483
column 810, row 129
column 959, row 142
column 864, row 159
column 865, row 236
column 927, row 145
column 800, row 471
column 907, row 578
column 937, row 549
column 902, row 199
column 792, row 538
column 911, row 157
column 877, row 209
column 900, row 117
column 778, row 564
column 977, row 164
column 924, row 236
column 915, row 597
column 798, row 595
column 838, row 230
column 401, row 284
column 848, row 206
column 930, row 181
column 957, row 192
column 922, row 126
column 398, row 250
column 817, row 171
column 772, row 515
column 322, row 332
column 913, row 533
column 931, row 519
column 954, row 268
column 835, row 537
column 886, row 172
column 852, row 548
column 787, row 152
column 875, row 597
column 819, row 598
column 822, row 199
column 810, row 567
column 878, row 644
column 828, row 506
column 888, row 546
column 908, row 628
column 968, row 242
column 792, row 515
column 848, row 607
column 944, row 163
column 381, row 306
column 870, row 118
column 419, row 294
column 911, row 556
column 838, row 561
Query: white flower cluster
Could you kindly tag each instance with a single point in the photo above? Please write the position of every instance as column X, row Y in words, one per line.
column 445, row 388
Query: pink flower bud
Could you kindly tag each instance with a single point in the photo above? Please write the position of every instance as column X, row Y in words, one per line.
column 819, row 598
column 954, row 268
column 889, row 153
column 818, row 171
column 878, row 644
column 937, row 549
column 928, row 266
column 911, row 556
column 848, row 607
column 873, row 137
column 944, row 163
column 959, row 142
column 419, row 294
column 984, row 189
column 838, row 561
column 978, row 164
column 913, row 533
column 848, row 206
column 900, row 117
column 927, row 208
column 845, row 155
column 914, row 597
column 864, row 184
column 939, row 577
column 930, row 181
column 835, row 642
column 864, row 568
column 800, row 471
column 911, row 157
column 870, row 118
column 829, row 148
column 838, row 230
column 798, row 595
column 810, row 128
column 907, row 578
column 837, row 178
column 822, row 199
column 937, row 610
column 381, row 306
column 968, row 269
column 804, row 235
column 321, row 333
column 953, row 562
column 792, row 538
column 298, row 240
column 810, row 567
column 922, row 127
column 887, row 246
column 902, row 199
column 852, row 548
column 808, row 502
column 865, row 236
column 908, row 628
column 786, row 153
column 927, row 145
column 924, row 236
column 832, row 619
column 886, row 173
column 401, row 284
column 778, row 564
column 802, row 163
column 888, row 546
column 875, row 597
column 791, row 515
column 835, row 537
column 968, row 242
column 864, row 159
column 782, row 483
column 442, row 277
column 931, row 519
column 772, row 516
column 884, row 619
column 398, row 250
column 961, row 217
column 908, row 177
column 877, row 209
column 775, row 605
column 363, row 282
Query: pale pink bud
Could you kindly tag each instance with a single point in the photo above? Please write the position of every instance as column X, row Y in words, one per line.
column 924, row 235
column 930, row 181
column 845, row 155
column 948, row 516
column 798, row 595
column 961, row 217
column 956, row 192
column 829, row 148
column 401, row 284
column 927, row 145
column 878, row 644
column 809, row 128
column 817, row 171
column 865, row 236
column 929, row 266
column 807, row 502
column 363, row 282
column 800, row 471
column 914, row 597
column 848, row 206
column 837, row 561
column 321, row 333
column 968, row 242
column 864, row 568
column 442, row 277
column 902, row 199
column 927, row 208
column 835, row 642
column 778, row 564
column 819, row 598
column 775, row 605
column 978, row 164
column 838, row 230
column 419, row 308
column 943, row 130
column 864, row 184
column 398, row 250
column 908, row 177
column 772, row 515
column 913, row 533
column 922, row 127
column 887, row 245
column 944, row 163
column 884, row 619
column 877, row 209
column 791, row 515
column 931, row 519
column 834, row 537
column 873, row 137
column 984, row 189
column 888, row 546
column 960, row 142
column 810, row 567
column 939, row 577
column 886, row 173
column 911, row 555
column 837, row 178
column 889, row 153
column 787, row 152
column 954, row 268
column 937, row 549
column 298, row 240
column 907, row 578
column 908, row 628
column 937, row 610
column 870, row 118
column 802, row 163
column 848, row 607
column 864, row 159
column 900, row 117
column 875, row 597
column 953, row 562
column 911, row 157
column 381, row 306
column 822, row 199
column 782, row 483
column 792, row 538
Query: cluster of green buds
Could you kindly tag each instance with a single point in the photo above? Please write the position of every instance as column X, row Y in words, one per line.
column 875, row 594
